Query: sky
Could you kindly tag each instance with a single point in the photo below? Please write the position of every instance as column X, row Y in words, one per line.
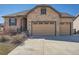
column 5, row 9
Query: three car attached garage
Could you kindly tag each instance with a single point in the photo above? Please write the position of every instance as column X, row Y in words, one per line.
column 49, row 28
column 43, row 28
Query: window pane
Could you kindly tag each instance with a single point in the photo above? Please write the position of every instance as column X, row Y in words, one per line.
column 67, row 23
column 40, row 22
column 46, row 22
column 62, row 22
column 51, row 22
column 35, row 22
column 12, row 21
column 43, row 10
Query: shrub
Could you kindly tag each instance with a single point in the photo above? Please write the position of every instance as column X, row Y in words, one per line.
column 5, row 38
column 77, row 32
column 17, row 39
column 2, row 39
column 17, row 42
column 12, row 32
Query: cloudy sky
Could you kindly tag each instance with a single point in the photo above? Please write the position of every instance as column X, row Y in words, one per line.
column 72, row 9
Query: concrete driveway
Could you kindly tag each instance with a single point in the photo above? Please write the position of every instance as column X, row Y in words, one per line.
column 46, row 47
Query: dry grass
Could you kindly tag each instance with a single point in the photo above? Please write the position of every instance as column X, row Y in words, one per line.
column 17, row 39
column 6, row 44
column 6, row 48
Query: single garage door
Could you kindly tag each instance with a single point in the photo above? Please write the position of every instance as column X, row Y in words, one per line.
column 65, row 28
column 43, row 28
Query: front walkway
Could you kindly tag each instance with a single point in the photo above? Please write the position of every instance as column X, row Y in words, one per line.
column 46, row 47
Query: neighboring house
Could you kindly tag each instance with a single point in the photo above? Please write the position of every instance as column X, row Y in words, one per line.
column 41, row 20
column 76, row 24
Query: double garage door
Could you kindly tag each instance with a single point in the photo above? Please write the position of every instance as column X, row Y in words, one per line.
column 43, row 28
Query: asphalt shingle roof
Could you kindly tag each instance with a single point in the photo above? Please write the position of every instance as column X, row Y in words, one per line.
column 18, row 13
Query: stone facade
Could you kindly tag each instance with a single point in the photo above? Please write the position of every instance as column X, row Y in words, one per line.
column 36, row 16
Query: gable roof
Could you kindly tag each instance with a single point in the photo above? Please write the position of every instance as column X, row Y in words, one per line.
column 65, row 14
column 25, row 12
column 17, row 14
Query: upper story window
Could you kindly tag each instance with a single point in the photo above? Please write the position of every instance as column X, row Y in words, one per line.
column 43, row 11
column 12, row 21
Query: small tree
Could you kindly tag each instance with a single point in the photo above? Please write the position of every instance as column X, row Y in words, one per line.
column 74, row 31
column 12, row 32
column 77, row 32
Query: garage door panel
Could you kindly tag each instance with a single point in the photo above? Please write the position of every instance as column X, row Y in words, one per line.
column 65, row 29
column 43, row 29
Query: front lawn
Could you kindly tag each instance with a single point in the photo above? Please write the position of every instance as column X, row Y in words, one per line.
column 6, row 48
column 8, row 43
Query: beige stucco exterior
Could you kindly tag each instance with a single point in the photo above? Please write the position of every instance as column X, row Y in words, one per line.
column 43, row 29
